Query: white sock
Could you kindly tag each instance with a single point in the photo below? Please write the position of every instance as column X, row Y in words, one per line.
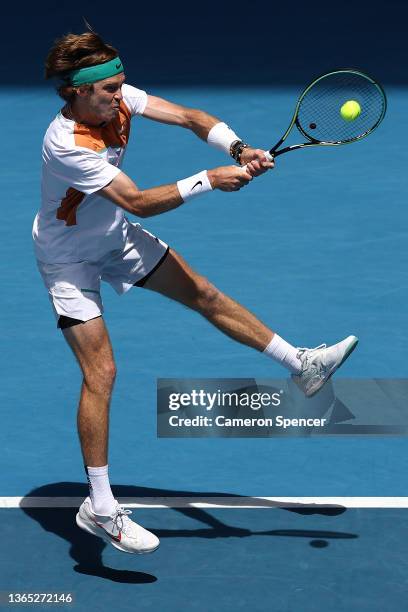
column 284, row 353
column 100, row 492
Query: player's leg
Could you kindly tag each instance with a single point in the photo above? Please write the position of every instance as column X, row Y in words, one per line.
column 175, row 279
column 101, row 514
column 91, row 346
column 74, row 290
column 146, row 261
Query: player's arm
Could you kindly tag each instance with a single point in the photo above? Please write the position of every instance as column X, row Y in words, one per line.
column 193, row 119
column 123, row 192
column 210, row 129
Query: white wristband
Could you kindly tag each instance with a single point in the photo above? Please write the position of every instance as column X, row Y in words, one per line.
column 194, row 185
column 221, row 137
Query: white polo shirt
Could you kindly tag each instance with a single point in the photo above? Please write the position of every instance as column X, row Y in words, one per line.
column 74, row 223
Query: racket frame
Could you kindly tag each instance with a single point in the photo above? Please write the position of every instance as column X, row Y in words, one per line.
column 273, row 152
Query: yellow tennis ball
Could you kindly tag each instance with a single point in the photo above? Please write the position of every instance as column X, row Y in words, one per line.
column 350, row 110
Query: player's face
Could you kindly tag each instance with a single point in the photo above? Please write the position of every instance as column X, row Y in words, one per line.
column 105, row 98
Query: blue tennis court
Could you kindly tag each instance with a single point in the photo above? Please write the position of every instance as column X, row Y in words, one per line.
column 317, row 249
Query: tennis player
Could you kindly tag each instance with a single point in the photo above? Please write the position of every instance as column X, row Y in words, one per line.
column 82, row 236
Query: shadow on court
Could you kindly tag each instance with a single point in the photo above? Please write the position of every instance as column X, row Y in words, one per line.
column 86, row 550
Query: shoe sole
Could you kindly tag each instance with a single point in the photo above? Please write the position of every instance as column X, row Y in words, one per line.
column 104, row 536
column 345, row 356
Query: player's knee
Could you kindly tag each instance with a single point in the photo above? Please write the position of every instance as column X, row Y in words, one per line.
column 100, row 377
column 207, row 297
column 109, row 372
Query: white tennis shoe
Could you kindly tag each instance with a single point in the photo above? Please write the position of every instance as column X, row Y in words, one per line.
column 320, row 363
column 118, row 529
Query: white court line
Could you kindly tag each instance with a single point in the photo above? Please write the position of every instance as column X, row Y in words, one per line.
column 212, row 502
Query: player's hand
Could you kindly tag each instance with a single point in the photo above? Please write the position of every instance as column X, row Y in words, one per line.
column 228, row 178
column 255, row 161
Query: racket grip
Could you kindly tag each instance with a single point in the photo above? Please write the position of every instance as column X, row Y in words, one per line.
column 268, row 156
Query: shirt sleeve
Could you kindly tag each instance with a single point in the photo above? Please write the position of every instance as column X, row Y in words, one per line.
column 135, row 99
column 82, row 169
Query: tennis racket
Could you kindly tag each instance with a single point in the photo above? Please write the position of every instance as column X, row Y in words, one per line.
column 318, row 115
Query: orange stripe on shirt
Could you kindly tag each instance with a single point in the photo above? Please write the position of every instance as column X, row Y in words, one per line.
column 67, row 211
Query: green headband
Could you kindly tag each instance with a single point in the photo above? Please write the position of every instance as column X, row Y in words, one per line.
column 91, row 74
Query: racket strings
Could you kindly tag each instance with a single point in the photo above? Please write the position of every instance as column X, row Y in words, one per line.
column 319, row 116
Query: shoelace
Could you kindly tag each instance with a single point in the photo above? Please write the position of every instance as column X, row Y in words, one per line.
column 120, row 514
column 305, row 353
